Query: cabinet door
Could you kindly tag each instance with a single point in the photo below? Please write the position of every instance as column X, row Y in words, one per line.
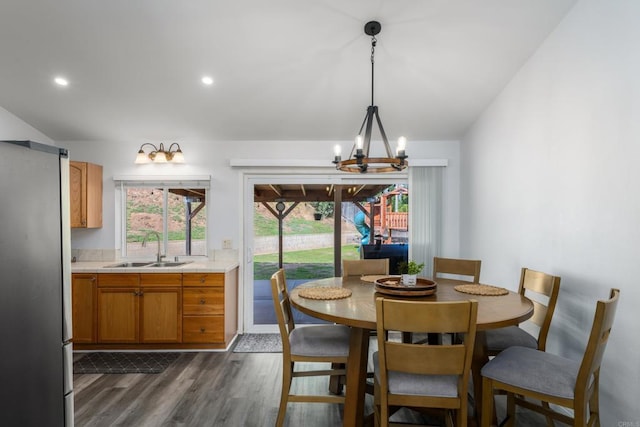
column 85, row 194
column 161, row 315
column 118, row 314
column 84, row 307
column 77, row 187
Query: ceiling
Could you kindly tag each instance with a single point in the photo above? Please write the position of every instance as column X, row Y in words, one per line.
column 283, row 69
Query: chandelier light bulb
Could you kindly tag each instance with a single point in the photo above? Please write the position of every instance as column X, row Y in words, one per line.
column 402, row 143
column 359, row 142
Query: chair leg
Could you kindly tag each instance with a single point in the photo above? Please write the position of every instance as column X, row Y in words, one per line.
column 550, row 422
column 511, row 410
column 487, row 402
column 448, row 419
column 287, row 369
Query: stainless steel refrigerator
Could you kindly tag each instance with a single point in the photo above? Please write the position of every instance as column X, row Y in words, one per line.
column 36, row 359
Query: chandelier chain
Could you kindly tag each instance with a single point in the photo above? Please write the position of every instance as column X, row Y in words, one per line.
column 373, row 52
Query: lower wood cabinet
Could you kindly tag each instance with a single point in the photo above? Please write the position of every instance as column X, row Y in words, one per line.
column 140, row 308
column 84, row 308
column 154, row 310
column 203, row 307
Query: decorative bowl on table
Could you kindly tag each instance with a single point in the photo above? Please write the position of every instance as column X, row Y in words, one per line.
column 392, row 285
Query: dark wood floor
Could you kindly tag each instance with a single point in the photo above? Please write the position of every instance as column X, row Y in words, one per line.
column 210, row 389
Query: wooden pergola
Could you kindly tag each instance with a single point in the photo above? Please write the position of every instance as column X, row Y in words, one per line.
column 296, row 193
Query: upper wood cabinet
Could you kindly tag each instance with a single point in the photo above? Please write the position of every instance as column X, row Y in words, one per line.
column 86, row 194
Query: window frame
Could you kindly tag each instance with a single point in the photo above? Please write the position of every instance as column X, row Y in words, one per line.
column 164, row 183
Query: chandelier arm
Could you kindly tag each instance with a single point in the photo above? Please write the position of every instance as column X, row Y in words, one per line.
column 367, row 135
column 383, row 134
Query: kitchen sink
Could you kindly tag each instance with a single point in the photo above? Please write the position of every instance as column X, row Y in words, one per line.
column 128, row 265
column 167, row 264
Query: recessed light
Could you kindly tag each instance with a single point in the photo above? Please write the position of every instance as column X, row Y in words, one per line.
column 61, row 81
column 206, row 80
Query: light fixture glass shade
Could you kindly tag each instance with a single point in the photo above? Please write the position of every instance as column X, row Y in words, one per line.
column 178, row 157
column 142, row 157
column 160, row 157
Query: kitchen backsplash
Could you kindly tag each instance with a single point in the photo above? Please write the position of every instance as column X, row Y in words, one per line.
column 106, row 255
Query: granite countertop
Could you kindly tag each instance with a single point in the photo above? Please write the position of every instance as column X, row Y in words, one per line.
column 192, row 266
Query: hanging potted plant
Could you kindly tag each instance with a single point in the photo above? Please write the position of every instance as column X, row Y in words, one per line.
column 409, row 271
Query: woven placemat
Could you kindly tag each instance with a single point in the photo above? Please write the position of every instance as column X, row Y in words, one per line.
column 325, row 292
column 481, row 290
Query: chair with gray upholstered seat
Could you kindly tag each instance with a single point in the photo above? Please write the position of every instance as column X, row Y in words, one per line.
column 423, row 376
column 316, row 343
column 528, row 375
column 538, row 287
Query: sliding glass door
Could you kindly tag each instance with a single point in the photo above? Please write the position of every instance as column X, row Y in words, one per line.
column 308, row 226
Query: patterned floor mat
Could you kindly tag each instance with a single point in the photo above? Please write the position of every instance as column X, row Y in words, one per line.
column 258, row 343
column 124, row 363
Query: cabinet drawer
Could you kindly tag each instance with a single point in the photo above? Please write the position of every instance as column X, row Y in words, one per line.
column 203, row 329
column 203, row 279
column 161, row 279
column 111, row 280
column 203, row 301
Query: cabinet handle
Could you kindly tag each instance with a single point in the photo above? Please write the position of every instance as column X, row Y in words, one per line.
column 135, row 293
column 141, row 293
column 202, row 330
column 202, row 280
column 203, row 301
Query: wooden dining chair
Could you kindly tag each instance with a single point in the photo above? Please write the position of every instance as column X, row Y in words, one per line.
column 315, row 343
column 537, row 286
column 362, row 267
column 449, row 266
column 423, row 376
column 458, row 267
column 526, row 373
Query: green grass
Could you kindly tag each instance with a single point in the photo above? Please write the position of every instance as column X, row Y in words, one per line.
column 311, row 256
column 309, row 264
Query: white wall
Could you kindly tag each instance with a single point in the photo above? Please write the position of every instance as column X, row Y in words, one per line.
column 225, row 205
column 549, row 181
column 13, row 128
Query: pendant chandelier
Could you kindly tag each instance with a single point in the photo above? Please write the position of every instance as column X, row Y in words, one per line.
column 359, row 160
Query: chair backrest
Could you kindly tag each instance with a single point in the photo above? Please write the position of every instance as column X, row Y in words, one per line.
column 282, row 307
column 461, row 267
column 430, row 317
column 536, row 282
column 360, row 267
column 600, row 331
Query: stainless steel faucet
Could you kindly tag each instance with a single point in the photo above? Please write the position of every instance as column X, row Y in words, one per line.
column 144, row 243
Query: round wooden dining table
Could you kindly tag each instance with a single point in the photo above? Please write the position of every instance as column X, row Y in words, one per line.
column 358, row 311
